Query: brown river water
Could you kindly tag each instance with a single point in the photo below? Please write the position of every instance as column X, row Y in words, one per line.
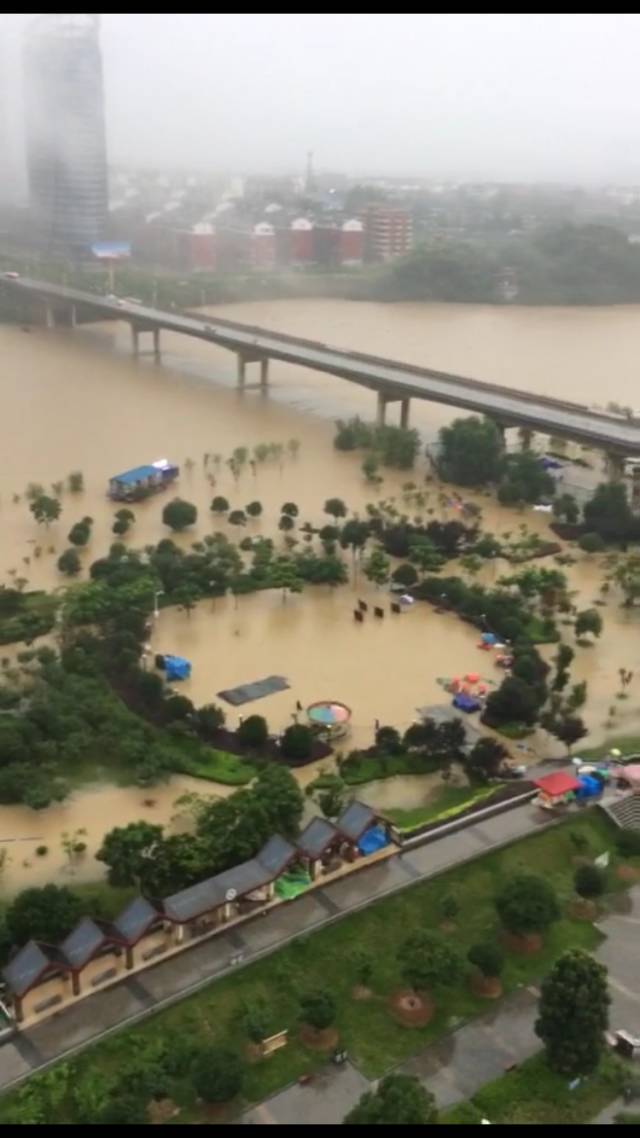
column 79, row 401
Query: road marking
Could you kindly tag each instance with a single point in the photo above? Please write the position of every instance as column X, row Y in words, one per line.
column 624, row 990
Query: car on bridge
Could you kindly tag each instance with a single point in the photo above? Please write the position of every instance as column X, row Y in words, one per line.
column 11, row 276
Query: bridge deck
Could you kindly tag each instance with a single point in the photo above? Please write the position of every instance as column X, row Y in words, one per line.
column 394, row 378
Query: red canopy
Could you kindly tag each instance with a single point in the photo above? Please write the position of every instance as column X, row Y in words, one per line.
column 557, row 784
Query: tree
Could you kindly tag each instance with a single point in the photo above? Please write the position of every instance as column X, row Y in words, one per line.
column 424, row 554
column 76, row 481
column 45, row 510
column 217, row 1074
column 589, row 881
column 471, row 451
column 237, row 518
column 125, row 1110
column 589, row 620
column 179, row 514
column 318, row 1009
column 208, row 720
column 283, row 574
column 185, row 597
column 286, row 523
column 79, row 533
column 405, row 574
column 297, row 743
column 253, row 731
column 566, row 509
column 591, row 543
column 527, row 904
column 627, row 576
column 524, row 479
column 568, row 729
column 488, row 957
column 577, row 696
column 376, row 567
column 335, row 507
column 47, row 914
column 291, row 509
column 370, row 468
column 128, row 850
column 331, row 801
column 514, row 702
column 254, row 509
column 428, row 961
column 362, row 963
column 69, row 563
column 573, row 1013
column 388, row 740
column 608, row 512
column 256, row 1020
column 219, row 505
column 399, row 1100
column 280, row 797
column 486, row 758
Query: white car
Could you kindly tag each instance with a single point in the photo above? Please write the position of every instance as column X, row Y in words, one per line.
column 11, row 276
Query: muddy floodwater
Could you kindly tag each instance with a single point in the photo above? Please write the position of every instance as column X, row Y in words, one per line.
column 79, row 401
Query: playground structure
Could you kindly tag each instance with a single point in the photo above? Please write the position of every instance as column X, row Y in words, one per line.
column 330, row 716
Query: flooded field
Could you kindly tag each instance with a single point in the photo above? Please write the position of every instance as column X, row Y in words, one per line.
column 79, row 401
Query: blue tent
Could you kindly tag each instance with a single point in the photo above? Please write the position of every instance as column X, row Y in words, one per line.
column 489, row 638
column 177, row 668
column 589, row 787
column 464, row 702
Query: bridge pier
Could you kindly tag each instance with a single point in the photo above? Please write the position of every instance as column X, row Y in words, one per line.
column 381, row 408
column 243, row 360
column 156, row 344
column 49, row 318
column 614, row 466
column 526, row 437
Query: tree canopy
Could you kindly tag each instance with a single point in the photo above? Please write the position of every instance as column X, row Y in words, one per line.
column 399, row 1100
column 472, row 451
column 178, row 514
column 574, row 1013
column 428, row 961
column 527, row 904
column 48, row 913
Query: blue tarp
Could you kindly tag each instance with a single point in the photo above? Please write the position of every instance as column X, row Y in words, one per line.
column 177, row 668
column 550, row 464
column 373, row 840
column 489, row 638
column 465, row 702
column 589, row 787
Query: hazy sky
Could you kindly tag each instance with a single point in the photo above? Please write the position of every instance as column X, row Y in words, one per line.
column 510, row 97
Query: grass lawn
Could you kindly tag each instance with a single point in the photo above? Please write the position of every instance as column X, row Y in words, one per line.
column 534, row 1094
column 447, row 802
column 368, row 768
column 217, row 766
column 627, row 744
column 375, row 1041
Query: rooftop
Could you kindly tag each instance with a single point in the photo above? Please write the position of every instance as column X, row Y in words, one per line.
column 29, row 964
column 355, row 820
column 315, row 837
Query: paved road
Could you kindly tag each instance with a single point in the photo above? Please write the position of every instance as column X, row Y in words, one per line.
column 458, row 1065
column 539, row 412
column 172, row 979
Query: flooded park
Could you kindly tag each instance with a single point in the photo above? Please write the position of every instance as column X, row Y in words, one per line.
column 80, row 401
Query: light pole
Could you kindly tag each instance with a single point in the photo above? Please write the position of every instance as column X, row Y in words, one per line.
column 156, row 610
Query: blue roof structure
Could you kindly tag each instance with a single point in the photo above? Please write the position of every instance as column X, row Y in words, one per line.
column 138, row 474
column 177, row 668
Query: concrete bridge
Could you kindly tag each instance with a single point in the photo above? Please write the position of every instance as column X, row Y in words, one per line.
column 392, row 380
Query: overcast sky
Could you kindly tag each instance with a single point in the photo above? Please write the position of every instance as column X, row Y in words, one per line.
column 505, row 97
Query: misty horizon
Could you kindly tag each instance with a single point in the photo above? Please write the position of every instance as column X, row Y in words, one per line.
column 515, row 98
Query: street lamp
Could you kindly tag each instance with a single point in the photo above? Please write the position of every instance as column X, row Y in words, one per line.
column 156, row 610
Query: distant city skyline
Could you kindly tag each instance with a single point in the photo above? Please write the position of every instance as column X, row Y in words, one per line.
column 536, row 98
